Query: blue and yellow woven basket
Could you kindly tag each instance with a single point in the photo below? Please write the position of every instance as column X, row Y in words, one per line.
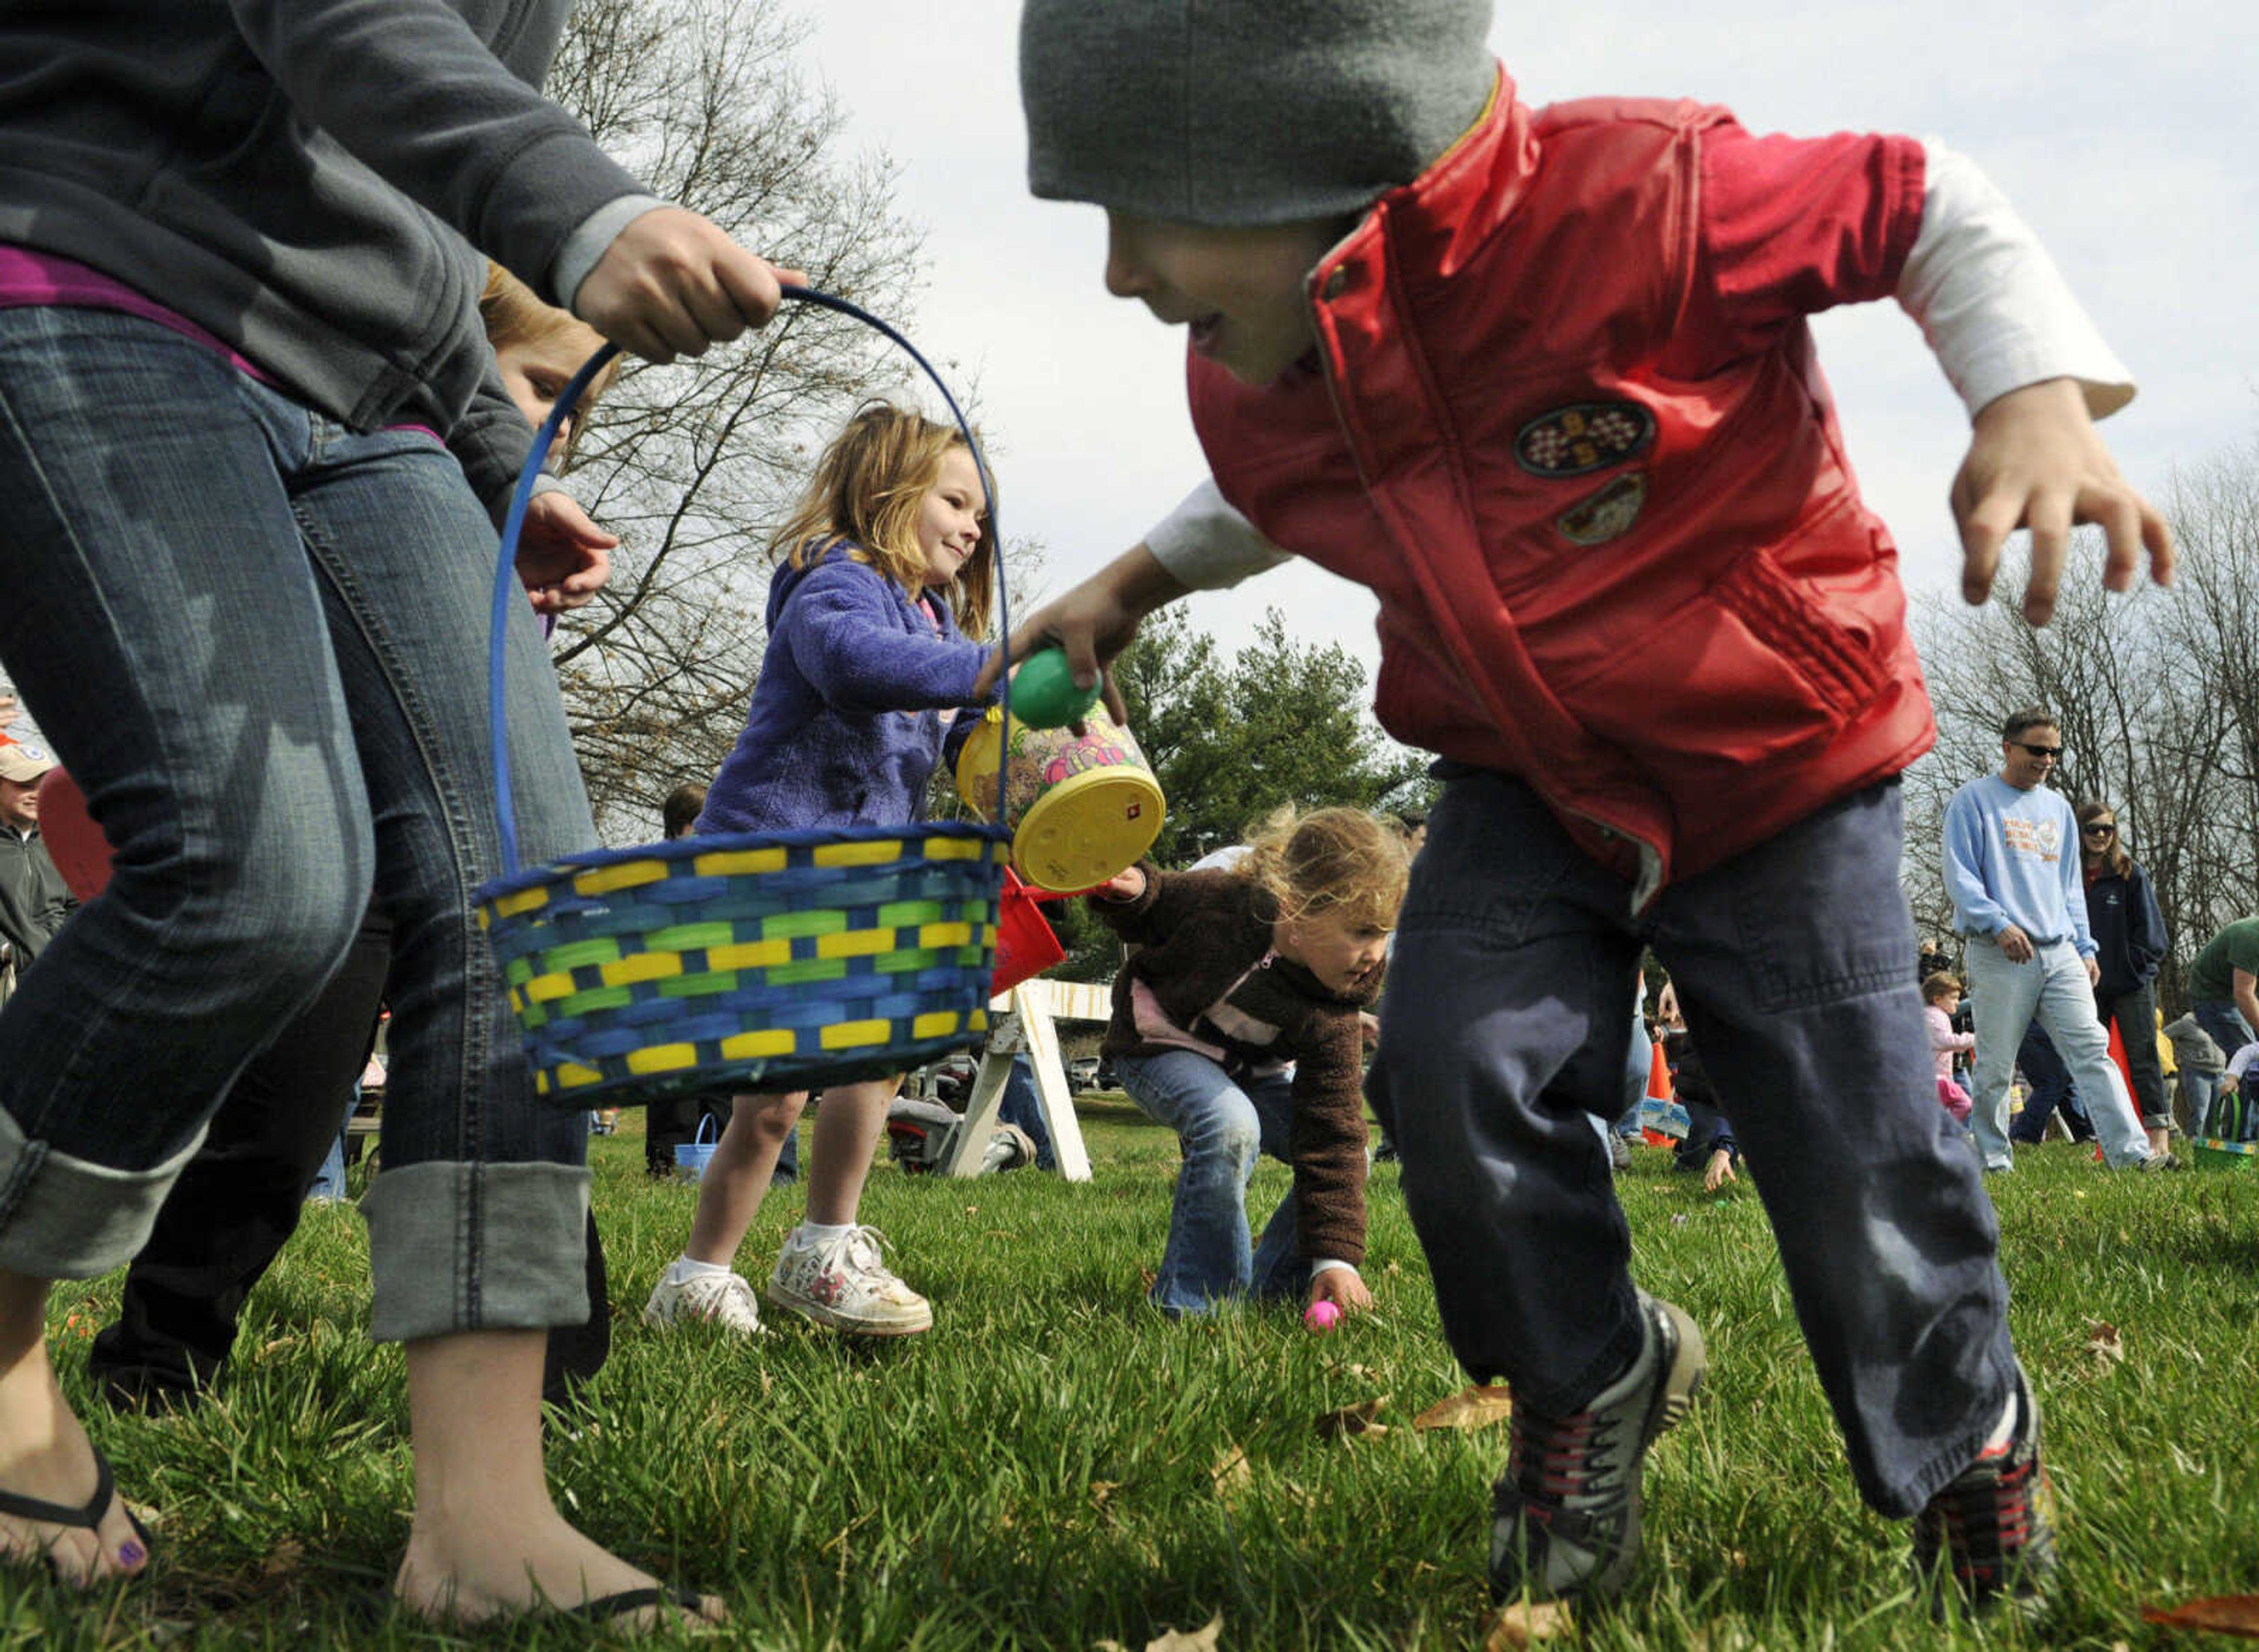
column 770, row 961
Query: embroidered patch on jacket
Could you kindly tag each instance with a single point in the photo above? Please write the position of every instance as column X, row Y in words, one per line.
column 1587, row 436
column 1608, row 514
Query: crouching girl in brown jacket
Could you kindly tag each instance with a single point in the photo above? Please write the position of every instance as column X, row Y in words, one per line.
column 1237, row 1025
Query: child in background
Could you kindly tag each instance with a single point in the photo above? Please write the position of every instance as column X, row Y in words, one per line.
column 1941, row 997
column 1240, row 972
column 2201, row 1063
column 1543, row 379
column 2233, row 1118
column 888, row 564
column 538, row 349
column 1709, row 1147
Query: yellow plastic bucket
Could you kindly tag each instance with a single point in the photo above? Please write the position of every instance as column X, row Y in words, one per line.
column 1080, row 808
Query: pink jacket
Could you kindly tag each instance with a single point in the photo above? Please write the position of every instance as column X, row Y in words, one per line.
column 1944, row 1042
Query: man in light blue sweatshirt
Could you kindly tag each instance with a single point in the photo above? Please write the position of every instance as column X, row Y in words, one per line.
column 2012, row 867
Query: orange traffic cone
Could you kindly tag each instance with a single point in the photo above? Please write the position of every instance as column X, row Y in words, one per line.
column 1659, row 1089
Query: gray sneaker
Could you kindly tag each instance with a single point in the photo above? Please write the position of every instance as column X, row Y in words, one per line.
column 1565, row 1514
column 2163, row 1161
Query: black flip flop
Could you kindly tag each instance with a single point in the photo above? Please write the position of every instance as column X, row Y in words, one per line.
column 86, row 1519
column 377, row 1605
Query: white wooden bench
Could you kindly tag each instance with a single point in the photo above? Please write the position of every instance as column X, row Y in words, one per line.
column 1037, row 1004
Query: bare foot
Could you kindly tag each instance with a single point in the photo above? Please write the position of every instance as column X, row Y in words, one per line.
column 469, row 1570
column 44, row 1454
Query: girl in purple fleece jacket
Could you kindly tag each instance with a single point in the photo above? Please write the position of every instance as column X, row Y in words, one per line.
column 887, row 564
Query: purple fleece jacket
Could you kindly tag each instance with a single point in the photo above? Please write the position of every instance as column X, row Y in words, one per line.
column 858, row 698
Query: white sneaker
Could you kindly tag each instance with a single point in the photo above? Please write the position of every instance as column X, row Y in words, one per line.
column 718, row 1299
column 845, row 1282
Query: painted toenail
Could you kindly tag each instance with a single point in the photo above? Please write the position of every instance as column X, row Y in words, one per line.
column 131, row 1554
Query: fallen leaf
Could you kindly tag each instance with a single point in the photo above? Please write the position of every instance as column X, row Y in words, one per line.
column 1526, row 1622
column 1351, row 1420
column 283, row 1558
column 2222, row 1614
column 1477, row 1405
column 972, row 1210
column 1232, row 1473
column 2104, row 1344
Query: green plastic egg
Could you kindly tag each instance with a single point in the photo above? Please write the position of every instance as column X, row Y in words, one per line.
column 1044, row 692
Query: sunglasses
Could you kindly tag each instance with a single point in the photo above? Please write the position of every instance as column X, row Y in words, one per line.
column 2054, row 754
column 2100, row 828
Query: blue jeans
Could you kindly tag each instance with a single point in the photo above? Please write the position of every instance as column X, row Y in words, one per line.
column 2051, row 1089
column 1022, row 1106
column 1504, row 1035
column 1222, row 1127
column 330, row 1180
column 2199, row 1090
column 257, row 640
column 2052, row 986
column 1639, row 1068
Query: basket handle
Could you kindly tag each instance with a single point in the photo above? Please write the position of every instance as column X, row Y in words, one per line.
column 522, row 495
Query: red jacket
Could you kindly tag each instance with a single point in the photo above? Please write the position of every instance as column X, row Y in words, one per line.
column 1567, row 424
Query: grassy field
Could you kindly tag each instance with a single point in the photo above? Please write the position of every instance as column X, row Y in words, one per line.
column 1055, row 1465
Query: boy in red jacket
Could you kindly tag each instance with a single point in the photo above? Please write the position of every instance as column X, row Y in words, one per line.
column 1542, row 379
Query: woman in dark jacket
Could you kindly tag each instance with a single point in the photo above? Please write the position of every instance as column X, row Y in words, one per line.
column 2130, row 941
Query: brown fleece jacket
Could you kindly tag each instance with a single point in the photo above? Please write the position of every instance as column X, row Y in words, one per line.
column 1206, row 941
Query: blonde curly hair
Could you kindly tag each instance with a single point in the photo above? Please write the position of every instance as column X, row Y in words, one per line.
column 1330, row 862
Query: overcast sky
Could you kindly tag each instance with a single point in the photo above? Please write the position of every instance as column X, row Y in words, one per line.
column 2124, row 133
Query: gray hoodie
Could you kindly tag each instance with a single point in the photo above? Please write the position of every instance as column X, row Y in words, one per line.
column 298, row 177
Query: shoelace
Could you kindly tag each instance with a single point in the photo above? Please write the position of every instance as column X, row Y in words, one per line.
column 709, row 1293
column 2000, row 1514
column 1553, row 1458
column 861, row 1249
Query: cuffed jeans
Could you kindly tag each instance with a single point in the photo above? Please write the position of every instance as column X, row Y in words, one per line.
column 1222, row 1127
column 2053, row 986
column 257, row 640
column 1504, row 1032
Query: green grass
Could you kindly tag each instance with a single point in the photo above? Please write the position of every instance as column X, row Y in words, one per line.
column 1039, row 1470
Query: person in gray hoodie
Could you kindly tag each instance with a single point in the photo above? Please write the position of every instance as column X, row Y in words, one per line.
column 252, row 446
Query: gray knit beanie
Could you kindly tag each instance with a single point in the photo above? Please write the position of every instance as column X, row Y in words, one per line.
column 1245, row 112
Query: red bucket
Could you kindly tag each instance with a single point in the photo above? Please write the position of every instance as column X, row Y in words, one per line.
column 1025, row 945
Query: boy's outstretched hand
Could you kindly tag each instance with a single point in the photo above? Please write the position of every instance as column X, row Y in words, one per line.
column 2036, row 461
column 1097, row 619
